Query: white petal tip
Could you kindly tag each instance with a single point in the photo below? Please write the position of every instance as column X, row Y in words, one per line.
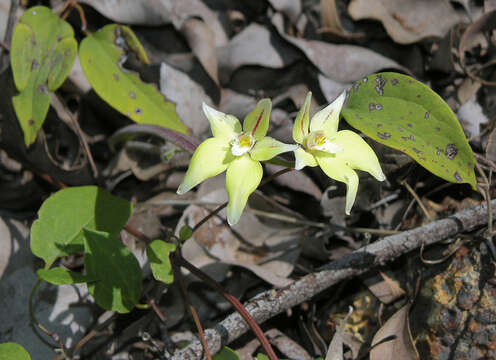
column 181, row 191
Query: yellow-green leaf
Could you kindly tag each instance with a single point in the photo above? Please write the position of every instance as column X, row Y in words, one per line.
column 13, row 351
column 102, row 56
column 158, row 254
column 405, row 114
column 42, row 54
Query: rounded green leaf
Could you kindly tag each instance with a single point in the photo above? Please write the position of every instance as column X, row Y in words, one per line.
column 185, row 233
column 402, row 113
column 226, row 354
column 102, row 56
column 61, row 276
column 42, row 54
column 158, row 254
column 13, row 351
column 62, row 217
column 118, row 287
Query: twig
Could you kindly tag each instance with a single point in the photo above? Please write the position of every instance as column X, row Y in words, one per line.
column 40, row 326
column 273, row 302
column 179, row 276
column 416, row 197
column 241, row 311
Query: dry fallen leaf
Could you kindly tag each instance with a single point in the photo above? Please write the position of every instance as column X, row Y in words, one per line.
column 268, row 252
column 335, row 351
column 290, row 8
column 288, row 347
column 179, row 88
column 202, row 42
column 384, row 288
column 255, row 45
column 408, row 21
column 342, row 63
column 401, row 347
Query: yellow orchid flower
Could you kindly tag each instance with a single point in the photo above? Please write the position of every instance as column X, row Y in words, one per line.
column 236, row 150
column 337, row 153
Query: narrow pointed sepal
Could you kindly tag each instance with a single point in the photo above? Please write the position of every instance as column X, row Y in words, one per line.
column 222, row 125
column 303, row 158
column 256, row 123
column 242, row 178
column 338, row 170
column 327, row 119
column 268, row 147
column 209, row 159
column 300, row 128
column 358, row 154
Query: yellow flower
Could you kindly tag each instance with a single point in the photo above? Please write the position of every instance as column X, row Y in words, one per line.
column 236, row 150
column 337, row 153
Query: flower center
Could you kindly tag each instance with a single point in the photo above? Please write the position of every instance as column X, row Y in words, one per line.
column 242, row 144
column 316, row 140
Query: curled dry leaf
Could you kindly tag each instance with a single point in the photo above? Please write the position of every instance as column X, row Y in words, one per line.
column 475, row 37
column 401, row 345
column 341, row 63
column 330, row 88
column 408, row 21
column 335, row 351
column 202, row 41
column 255, row 45
column 188, row 95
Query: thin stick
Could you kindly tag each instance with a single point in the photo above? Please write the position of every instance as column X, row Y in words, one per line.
column 179, row 260
column 54, row 336
column 179, row 276
column 273, row 302
column 416, row 197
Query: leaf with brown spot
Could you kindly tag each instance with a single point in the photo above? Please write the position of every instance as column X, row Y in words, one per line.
column 415, row 120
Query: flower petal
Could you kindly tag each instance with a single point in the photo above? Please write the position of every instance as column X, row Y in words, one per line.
column 300, row 128
column 268, row 147
column 327, row 119
column 256, row 123
column 209, row 159
column 242, row 178
column 338, row 170
column 303, row 158
column 222, row 125
column 358, row 154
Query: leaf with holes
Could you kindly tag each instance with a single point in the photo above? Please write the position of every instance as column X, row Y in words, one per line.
column 102, row 56
column 405, row 114
column 62, row 217
column 118, row 287
column 42, row 54
column 158, row 254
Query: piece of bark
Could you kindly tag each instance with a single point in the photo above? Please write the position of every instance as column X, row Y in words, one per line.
column 273, row 302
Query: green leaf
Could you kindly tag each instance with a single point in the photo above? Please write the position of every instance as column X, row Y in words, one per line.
column 158, row 254
column 404, row 114
column 102, row 56
column 62, row 217
column 185, row 233
column 61, row 276
column 13, row 351
column 118, row 287
column 42, row 54
column 262, row 357
column 226, row 354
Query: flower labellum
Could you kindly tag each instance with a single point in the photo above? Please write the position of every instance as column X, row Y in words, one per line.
column 236, row 150
column 338, row 153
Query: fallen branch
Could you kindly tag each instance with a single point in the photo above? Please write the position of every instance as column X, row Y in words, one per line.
column 273, row 302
